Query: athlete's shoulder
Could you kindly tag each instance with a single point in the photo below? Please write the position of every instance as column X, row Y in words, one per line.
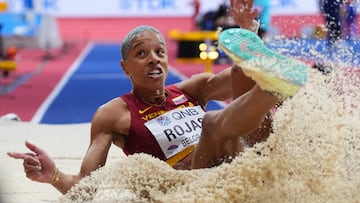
column 113, row 111
column 116, row 105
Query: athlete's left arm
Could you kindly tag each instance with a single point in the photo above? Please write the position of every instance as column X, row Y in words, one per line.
column 208, row 86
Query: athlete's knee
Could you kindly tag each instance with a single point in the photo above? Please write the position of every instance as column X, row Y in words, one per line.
column 210, row 124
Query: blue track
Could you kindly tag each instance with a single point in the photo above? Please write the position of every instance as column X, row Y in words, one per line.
column 96, row 80
column 346, row 53
column 100, row 78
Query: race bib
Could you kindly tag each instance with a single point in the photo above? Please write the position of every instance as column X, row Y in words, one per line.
column 177, row 129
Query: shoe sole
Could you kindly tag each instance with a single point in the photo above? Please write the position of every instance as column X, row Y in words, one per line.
column 273, row 72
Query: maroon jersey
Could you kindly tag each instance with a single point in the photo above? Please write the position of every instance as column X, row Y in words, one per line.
column 139, row 138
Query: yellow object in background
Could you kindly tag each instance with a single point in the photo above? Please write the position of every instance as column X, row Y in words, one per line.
column 192, row 35
column 320, row 31
column 7, row 65
column 207, row 53
column 3, row 6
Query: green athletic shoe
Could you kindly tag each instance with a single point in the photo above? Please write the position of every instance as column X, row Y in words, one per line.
column 273, row 72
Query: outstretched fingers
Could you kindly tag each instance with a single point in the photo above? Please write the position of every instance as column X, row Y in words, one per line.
column 34, row 148
column 28, row 157
column 238, row 3
column 37, row 164
column 31, row 163
column 242, row 13
column 16, row 155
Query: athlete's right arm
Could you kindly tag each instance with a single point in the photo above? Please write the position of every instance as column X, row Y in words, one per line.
column 109, row 121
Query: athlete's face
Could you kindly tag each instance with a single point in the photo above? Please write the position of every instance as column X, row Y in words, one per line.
column 147, row 61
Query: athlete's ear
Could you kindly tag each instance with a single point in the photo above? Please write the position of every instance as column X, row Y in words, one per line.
column 124, row 66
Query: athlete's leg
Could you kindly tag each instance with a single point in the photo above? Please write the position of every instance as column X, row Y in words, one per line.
column 283, row 77
column 274, row 73
column 225, row 127
column 240, row 84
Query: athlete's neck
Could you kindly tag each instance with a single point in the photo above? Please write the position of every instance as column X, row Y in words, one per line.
column 156, row 98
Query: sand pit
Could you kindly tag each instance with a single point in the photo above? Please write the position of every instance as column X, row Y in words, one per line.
column 67, row 144
column 312, row 156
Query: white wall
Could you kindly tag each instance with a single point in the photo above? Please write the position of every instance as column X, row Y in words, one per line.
column 150, row 8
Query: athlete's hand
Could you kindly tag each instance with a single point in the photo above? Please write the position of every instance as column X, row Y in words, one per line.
column 242, row 13
column 38, row 166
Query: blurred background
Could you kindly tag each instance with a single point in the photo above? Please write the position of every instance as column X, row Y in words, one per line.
column 59, row 59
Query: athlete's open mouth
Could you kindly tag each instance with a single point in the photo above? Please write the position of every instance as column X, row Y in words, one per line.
column 155, row 73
